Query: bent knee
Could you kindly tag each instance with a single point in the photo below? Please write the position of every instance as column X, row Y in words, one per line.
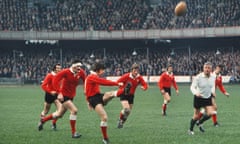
column 74, row 112
column 104, row 118
column 127, row 111
column 167, row 100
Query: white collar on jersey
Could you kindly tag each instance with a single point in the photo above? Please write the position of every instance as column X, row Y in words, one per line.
column 131, row 76
column 71, row 70
column 53, row 73
column 169, row 73
column 92, row 72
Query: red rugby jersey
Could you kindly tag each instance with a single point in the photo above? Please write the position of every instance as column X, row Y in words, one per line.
column 47, row 84
column 92, row 83
column 219, row 84
column 167, row 80
column 126, row 78
column 66, row 82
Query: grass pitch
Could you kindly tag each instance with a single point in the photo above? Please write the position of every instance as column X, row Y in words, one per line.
column 20, row 109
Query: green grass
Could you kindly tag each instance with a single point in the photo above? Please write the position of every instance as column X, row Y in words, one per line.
column 20, row 108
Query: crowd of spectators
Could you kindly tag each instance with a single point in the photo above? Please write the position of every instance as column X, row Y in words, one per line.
column 108, row 15
column 35, row 63
column 200, row 13
column 73, row 15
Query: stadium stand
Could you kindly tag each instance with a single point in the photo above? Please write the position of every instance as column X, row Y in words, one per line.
column 109, row 15
column 36, row 62
column 81, row 15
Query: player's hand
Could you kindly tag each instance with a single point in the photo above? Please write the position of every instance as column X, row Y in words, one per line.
column 163, row 92
column 60, row 97
column 143, row 88
column 214, row 94
column 120, row 84
column 177, row 92
column 227, row 94
column 198, row 95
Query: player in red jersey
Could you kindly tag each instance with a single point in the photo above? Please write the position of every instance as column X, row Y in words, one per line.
column 96, row 100
column 130, row 80
column 50, row 93
column 165, row 82
column 66, row 83
column 218, row 84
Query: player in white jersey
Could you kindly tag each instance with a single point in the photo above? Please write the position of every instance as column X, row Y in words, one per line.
column 218, row 84
column 203, row 88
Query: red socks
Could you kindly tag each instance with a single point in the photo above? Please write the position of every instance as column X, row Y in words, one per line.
column 47, row 118
column 164, row 107
column 214, row 118
column 103, row 126
column 73, row 124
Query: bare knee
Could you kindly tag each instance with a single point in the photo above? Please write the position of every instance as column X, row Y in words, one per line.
column 104, row 118
column 74, row 112
column 59, row 113
column 167, row 100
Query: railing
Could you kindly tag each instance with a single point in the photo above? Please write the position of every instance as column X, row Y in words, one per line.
column 122, row 34
column 150, row 79
column 179, row 79
column 11, row 81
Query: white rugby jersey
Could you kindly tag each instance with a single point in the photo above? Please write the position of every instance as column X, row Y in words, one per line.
column 203, row 85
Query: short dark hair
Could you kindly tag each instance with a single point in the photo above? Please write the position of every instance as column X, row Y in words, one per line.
column 98, row 66
column 76, row 61
column 55, row 66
